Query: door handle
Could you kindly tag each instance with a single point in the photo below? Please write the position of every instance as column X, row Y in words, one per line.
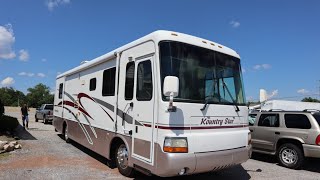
column 251, row 130
column 277, row 132
column 136, row 129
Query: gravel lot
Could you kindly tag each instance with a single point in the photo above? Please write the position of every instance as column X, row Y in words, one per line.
column 45, row 155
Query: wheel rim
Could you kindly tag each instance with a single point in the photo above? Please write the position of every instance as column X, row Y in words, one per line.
column 122, row 156
column 66, row 133
column 289, row 156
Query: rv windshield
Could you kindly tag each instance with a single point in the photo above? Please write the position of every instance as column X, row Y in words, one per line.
column 202, row 74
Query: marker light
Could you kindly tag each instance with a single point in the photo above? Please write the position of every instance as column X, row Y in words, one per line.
column 174, row 34
column 175, row 145
column 318, row 140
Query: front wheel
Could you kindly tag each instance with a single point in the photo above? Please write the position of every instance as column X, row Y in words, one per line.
column 121, row 156
column 65, row 133
column 290, row 156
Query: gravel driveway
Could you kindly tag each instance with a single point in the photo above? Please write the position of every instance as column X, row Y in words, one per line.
column 45, row 155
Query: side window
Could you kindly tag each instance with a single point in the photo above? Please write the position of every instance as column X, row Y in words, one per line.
column 299, row 121
column 93, row 84
column 252, row 119
column 269, row 120
column 128, row 92
column 60, row 90
column 109, row 82
column 144, row 81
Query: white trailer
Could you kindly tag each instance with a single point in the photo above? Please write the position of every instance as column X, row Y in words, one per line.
column 289, row 105
column 166, row 104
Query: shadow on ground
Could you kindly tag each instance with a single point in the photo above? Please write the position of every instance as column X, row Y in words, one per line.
column 310, row 164
column 23, row 134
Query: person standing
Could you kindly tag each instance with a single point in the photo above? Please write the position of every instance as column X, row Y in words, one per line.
column 24, row 114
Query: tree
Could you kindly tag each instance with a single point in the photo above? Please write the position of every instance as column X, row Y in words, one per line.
column 11, row 97
column 39, row 94
column 310, row 99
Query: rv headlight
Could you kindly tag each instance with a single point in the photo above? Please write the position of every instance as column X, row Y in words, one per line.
column 175, row 145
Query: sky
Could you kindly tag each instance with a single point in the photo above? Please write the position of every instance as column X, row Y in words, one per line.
column 278, row 41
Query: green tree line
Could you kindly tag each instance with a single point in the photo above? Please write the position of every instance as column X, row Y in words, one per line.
column 37, row 95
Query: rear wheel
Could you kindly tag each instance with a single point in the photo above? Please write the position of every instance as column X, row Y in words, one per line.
column 290, row 156
column 121, row 156
column 65, row 133
column 44, row 119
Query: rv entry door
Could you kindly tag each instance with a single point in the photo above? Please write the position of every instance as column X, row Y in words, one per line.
column 143, row 106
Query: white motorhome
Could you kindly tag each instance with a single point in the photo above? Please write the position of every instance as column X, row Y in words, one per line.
column 166, row 104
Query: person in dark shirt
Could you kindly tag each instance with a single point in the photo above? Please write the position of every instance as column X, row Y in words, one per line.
column 24, row 114
column 1, row 108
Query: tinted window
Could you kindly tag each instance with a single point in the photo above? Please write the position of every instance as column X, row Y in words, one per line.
column 252, row 119
column 317, row 117
column 109, row 81
column 299, row 121
column 60, row 90
column 49, row 107
column 144, row 81
column 128, row 93
column 269, row 120
column 93, row 84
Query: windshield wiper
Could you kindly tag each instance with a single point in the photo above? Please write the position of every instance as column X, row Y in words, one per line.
column 205, row 105
column 234, row 102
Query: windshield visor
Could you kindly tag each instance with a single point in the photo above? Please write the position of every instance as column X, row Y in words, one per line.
column 204, row 75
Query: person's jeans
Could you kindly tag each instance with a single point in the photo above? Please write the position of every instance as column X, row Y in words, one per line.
column 25, row 120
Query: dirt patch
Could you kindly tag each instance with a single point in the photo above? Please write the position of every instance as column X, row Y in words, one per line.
column 47, row 161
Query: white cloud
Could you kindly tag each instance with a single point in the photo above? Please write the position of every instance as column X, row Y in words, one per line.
column 51, row 4
column 303, row 91
column 7, row 40
column 41, row 75
column 26, row 74
column 273, row 94
column 7, row 81
column 262, row 66
column 58, row 73
column 44, row 60
column 23, row 55
column 234, row 24
column 243, row 70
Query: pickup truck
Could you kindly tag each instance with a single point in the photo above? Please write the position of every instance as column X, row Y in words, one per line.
column 45, row 113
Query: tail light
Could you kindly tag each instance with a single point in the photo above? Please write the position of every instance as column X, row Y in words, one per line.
column 318, row 140
column 249, row 138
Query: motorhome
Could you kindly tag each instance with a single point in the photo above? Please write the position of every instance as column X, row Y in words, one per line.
column 167, row 104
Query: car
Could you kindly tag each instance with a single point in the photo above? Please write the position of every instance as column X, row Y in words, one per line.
column 45, row 113
column 289, row 135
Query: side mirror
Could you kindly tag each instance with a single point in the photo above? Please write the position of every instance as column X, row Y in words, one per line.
column 171, row 86
column 171, row 89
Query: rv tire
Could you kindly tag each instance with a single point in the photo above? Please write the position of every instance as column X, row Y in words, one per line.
column 65, row 134
column 121, row 157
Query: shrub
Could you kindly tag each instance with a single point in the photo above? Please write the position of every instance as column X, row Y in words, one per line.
column 8, row 123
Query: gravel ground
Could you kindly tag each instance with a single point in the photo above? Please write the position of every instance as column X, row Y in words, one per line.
column 45, row 155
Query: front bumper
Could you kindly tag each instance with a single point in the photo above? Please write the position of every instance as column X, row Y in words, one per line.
column 311, row 150
column 170, row 164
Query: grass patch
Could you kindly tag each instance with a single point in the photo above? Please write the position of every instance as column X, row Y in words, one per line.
column 8, row 123
column 4, row 155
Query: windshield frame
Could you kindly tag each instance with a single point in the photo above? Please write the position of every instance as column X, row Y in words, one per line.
column 236, row 60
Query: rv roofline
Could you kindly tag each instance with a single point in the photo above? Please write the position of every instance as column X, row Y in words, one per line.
column 156, row 36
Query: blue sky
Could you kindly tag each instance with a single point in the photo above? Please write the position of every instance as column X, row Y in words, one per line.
column 278, row 41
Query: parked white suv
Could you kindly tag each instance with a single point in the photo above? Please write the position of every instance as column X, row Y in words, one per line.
column 45, row 113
